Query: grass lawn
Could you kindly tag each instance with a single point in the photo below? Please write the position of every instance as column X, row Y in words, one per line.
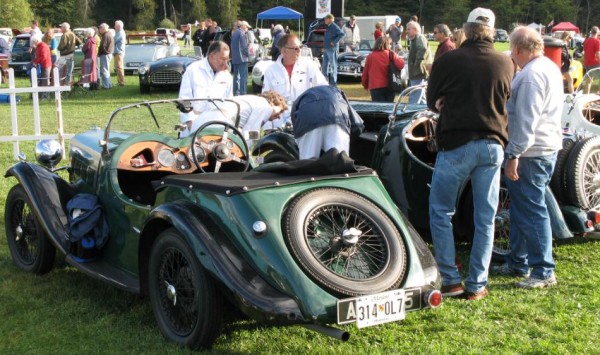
column 66, row 312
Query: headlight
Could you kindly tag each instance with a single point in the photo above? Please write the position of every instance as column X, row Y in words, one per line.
column 143, row 69
column 256, row 71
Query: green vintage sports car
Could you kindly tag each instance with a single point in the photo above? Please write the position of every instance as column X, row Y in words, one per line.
column 190, row 223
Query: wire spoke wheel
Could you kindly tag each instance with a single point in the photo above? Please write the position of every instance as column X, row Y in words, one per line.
column 583, row 174
column 501, row 247
column 185, row 300
column 30, row 248
column 344, row 242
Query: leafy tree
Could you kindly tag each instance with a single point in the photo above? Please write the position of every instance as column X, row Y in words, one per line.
column 197, row 11
column 16, row 14
column 52, row 13
column 166, row 23
column 143, row 14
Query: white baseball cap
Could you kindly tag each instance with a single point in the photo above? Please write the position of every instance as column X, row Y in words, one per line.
column 482, row 16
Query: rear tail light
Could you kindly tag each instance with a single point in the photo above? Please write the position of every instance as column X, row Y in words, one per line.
column 594, row 216
column 433, row 298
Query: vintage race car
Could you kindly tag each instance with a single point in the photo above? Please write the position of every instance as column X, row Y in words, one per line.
column 191, row 224
column 146, row 48
column 399, row 144
column 164, row 73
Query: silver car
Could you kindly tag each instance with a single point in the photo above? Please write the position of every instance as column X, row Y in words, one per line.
column 146, row 48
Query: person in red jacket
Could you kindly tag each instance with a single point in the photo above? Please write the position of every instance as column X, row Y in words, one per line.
column 377, row 66
column 43, row 59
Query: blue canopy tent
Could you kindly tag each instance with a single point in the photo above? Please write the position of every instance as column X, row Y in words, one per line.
column 281, row 13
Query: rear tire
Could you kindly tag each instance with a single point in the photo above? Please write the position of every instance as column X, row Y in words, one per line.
column 29, row 246
column 558, row 183
column 583, row 174
column 345, row 243
column 186, row 303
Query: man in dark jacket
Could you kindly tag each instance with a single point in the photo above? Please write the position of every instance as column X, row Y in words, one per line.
column 331, row 39
column 277, row 35
column 321, row 117
column 469, row 87
column 68, row 43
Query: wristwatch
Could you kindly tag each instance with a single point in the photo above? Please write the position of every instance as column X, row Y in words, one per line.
column 512, row 157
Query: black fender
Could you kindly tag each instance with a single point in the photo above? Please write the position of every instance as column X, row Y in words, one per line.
column 49, row 194
column 254, row 295
column 277, row 141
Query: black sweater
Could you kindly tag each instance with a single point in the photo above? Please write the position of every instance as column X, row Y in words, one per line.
column 474, row 81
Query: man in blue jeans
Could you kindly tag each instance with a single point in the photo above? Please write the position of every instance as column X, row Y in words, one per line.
column 470, row 134
column 239, row 58
column 534, row 113
column 331, row 39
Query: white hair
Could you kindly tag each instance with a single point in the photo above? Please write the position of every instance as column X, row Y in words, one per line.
column 90, row 32
column 415, row 25
column 103, row 26
column 278, row 27
column 35, row 39
column 120, row 23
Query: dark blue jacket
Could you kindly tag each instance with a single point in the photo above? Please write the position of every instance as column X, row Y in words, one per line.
column 321, row 106
column 333, row 36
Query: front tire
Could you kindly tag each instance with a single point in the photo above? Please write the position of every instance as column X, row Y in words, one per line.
column 29, row 246
column 345, row 242
column 185, row 300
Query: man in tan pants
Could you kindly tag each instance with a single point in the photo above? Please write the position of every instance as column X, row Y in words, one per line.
column 119, row 53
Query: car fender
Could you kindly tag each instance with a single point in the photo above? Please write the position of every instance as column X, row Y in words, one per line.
column 49, row 194
column 277, row 141
column 221, row 260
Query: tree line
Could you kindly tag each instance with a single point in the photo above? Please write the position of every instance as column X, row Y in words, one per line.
column 147, row 14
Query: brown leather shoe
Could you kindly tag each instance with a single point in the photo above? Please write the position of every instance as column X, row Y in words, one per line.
column 476, row 296
column 453, row 290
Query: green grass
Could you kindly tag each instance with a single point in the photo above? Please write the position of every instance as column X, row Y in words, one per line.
column 66, row 312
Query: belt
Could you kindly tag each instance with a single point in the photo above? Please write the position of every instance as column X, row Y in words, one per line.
column 63, row 54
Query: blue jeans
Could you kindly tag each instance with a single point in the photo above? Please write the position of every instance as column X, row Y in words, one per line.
column 329, row 67
column 480, row 161
column 418, row 96
column 105, row 70
column 382, row 95
column 530, row 228
column 240, row 78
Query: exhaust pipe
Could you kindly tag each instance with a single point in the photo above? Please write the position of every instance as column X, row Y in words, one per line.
column 329, row 331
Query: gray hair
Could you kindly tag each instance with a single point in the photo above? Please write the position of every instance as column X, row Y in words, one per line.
column 594, row 30
column 216, row 47
column 415, row 25
column 90, row 32
column 527, row 38
column 103, row 26
column 478, row 32
column 119, row 22
column 443, row 29
column 278, row 27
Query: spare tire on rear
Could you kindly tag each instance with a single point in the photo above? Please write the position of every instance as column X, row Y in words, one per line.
column 345, row 243
column 583, row 174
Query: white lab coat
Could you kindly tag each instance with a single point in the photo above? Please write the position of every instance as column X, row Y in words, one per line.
column 199, row 81
column 305, row 75
column 255, row 111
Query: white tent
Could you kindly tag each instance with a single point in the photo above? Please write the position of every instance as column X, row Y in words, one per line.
column 537, row 26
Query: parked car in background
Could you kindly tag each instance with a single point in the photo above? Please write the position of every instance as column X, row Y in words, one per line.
column 164, row 73
column 501, row 35
column 187, row 222
column 7, row 34
column 20, row 55
column 146, row 48
column 351, row 64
